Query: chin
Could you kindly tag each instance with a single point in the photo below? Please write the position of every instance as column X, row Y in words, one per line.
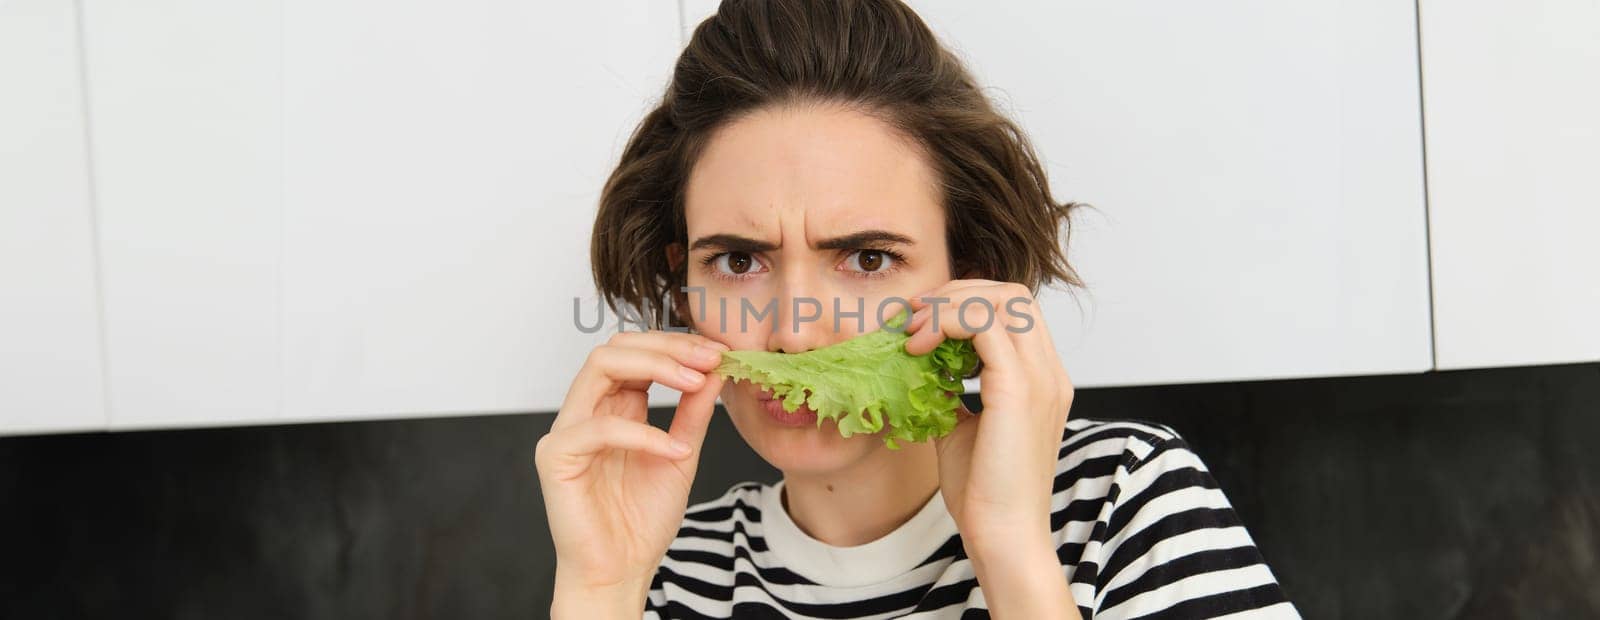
column 808, row 449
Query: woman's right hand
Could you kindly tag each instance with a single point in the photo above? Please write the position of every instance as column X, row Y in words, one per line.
column 615, row 488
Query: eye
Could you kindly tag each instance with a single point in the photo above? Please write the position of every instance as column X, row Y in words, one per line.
column 872, row 263
column 733, row 265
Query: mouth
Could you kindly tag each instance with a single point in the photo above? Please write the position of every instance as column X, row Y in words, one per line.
column 801, row 417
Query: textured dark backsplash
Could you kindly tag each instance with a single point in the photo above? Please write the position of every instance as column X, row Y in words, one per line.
column 1466, row 494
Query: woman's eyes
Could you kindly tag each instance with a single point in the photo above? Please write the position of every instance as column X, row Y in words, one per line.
column 733, row 265
column 872, row 263
column 866, row 263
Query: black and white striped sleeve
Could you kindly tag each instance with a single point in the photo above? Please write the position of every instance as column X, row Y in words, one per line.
column 1173, row 547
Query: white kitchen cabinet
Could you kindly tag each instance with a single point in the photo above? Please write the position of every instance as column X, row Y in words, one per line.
column 1512, row 94
column 185, row 118
column 310, row 213
column 1257, row 173
column 50, row 371
column 442, row 167
column 1256, row 169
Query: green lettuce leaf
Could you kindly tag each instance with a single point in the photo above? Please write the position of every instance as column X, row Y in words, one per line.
column 866, row 384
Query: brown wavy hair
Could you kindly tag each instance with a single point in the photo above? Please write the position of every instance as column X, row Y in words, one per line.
column 875, row 56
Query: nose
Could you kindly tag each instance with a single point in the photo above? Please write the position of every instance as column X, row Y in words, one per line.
column 804, row 316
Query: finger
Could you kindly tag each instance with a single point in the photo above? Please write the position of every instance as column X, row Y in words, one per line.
column 693, row 350
column 923, row 339
column 695, row 409
column 969, row 311
column 565, row 453
column 941, row 296
column 610, row 368
column 999, row 357
column 1019, row 315
column 937, row 303
column 994, row 345
column 944, row 290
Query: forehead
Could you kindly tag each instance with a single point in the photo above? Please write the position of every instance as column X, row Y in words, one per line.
column 836, row 169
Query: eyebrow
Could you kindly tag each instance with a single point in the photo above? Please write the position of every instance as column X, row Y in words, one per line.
column 739, row 243
column 863, row 239
column 732, row 243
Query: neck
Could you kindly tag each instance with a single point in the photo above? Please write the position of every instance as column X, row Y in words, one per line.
column 866, row 501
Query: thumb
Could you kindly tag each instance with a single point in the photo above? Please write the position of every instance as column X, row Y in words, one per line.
column 694, row 412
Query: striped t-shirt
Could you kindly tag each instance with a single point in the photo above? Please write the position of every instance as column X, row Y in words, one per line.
column 1140, row 526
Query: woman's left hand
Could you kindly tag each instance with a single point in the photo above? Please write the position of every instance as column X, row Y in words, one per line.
column 997, row 468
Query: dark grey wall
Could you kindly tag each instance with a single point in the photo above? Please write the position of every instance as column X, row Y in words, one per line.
column 1469, row 494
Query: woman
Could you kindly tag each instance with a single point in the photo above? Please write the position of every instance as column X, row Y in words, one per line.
column 809, row 161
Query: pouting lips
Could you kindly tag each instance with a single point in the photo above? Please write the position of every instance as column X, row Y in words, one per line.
column 804, row 416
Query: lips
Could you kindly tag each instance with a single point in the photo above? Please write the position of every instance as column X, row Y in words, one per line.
column 803, row 416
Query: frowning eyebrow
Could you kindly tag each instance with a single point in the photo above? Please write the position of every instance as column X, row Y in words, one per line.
column 863, row 239
column 732, row 243
column 738, row 243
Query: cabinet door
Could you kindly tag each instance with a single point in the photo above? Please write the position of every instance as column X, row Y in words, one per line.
column 442, row 167
column 184, row 108
column 1256, row 169
column 50, row 370
column 1512, row 91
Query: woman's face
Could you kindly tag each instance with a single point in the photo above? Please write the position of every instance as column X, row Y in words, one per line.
column 797, row 213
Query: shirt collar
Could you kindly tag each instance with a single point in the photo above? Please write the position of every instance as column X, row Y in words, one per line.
column 890, row 556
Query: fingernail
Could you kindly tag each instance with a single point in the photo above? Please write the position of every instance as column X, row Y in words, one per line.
column 691, row 375
column 678, row 446
column 719, row 346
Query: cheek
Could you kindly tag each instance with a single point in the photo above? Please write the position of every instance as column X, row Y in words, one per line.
column 716, row 315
